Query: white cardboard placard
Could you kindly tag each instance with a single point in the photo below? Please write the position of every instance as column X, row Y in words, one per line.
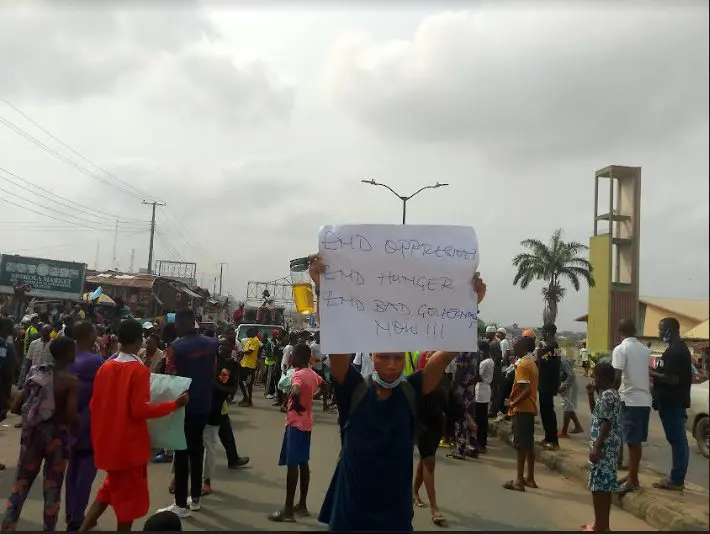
column 395, row 288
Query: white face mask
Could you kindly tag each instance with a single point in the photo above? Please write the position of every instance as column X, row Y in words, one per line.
column 387, row 385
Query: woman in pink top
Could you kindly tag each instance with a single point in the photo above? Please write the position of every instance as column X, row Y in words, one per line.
column 296, row 447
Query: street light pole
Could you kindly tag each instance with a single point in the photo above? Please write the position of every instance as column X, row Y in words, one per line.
column 403, row 198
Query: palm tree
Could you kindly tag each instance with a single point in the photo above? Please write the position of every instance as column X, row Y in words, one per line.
column 552, row 263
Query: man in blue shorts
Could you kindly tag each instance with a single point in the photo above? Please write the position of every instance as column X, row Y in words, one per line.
column 630, row 359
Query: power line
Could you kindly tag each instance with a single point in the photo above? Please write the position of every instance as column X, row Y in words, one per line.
column 50, row 208
column 73, row 150
column 81, row 207
column 65, row 159
column 54, row 246
column 45, row 214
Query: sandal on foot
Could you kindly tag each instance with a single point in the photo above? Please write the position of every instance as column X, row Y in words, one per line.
column 530, row 484
column 587, row 528
column 438, row 519
column 514, row 486
column 206, row 490
column 280, row 517
column 301, row 511
column 627, row 487
column 419, row 503
column 455, row 456
column 666, row 484
column 577, row 431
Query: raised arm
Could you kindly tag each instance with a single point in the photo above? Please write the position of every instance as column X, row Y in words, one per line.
column 437, row 362
column 339, row 363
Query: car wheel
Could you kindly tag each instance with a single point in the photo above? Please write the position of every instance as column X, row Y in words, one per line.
column 702, row 435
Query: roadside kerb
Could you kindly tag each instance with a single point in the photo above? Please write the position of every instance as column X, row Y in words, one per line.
column 659, row 509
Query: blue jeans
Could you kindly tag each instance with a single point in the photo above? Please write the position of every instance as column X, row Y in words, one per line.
column 673, row 419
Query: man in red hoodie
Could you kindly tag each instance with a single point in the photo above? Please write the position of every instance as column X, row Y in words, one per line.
column 120, row 409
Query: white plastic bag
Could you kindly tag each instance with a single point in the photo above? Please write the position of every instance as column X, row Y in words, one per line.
column 168, row 432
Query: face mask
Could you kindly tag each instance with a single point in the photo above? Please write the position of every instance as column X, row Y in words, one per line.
column 387, row 385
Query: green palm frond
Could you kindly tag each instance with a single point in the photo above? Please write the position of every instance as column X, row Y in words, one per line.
column 551, row 263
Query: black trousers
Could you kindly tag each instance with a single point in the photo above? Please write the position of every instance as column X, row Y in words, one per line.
column 226, row 437
column 188, row 463
column 548, row 416
column 246, row 381
column 481, row 418
column 273, row 375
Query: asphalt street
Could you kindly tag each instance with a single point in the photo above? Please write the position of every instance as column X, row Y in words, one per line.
column 470, row 493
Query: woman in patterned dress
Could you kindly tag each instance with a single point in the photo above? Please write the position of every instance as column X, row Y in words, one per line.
column 465, row 394
column 604, row 443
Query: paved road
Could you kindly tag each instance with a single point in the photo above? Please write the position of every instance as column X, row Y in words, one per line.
column 470, row 493
column 657, row 452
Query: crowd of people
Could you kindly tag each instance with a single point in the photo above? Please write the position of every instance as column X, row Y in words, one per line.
column 84, row 397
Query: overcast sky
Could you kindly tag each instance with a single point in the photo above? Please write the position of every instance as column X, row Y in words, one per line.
column 256, row 127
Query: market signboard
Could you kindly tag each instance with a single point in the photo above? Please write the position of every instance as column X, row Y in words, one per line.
column 47, row 278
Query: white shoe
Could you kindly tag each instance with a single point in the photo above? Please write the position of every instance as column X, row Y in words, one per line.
column 194, row 505
column 182, row 513
column 271, row 396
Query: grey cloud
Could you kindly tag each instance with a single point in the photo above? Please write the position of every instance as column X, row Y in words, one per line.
column 533, row 84
column 75, row 51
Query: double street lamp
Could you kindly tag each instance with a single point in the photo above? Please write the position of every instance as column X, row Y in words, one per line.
column 403, row 198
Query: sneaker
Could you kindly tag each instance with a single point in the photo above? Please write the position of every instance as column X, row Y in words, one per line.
column 270, row 396
column 194, row 504
column 182, row 513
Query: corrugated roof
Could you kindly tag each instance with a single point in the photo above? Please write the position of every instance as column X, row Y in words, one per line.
column 118, row 279
column 700, row 332
column 698, row 309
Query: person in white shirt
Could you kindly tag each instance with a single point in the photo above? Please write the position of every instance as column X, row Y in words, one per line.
column 584, row 358
column 363, row 361
column 38, row 351
column 483, row 394
column 630, row 359
column 506, row 349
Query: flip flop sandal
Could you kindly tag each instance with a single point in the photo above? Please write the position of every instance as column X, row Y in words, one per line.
column 280, row 517
column 455, row 456
column 531, row 485
column 302, row 512
column 580, row 431
column 513, row 486
column 627, row 487
column 667, row 485
column 419, row 503
column 439, row 520
column 587, row 528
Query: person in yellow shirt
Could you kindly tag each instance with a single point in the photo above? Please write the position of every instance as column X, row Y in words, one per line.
column 522, row 406
column 56, row 331
column 247, row 366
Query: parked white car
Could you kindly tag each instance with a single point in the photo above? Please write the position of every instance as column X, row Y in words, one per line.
column 698, row 422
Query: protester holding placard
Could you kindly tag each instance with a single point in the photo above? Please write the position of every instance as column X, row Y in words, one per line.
column 371, row 487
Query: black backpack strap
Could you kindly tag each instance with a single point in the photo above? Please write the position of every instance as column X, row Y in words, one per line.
column 410, row 395
column 357, row 397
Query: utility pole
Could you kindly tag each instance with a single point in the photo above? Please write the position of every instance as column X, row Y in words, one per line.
column 221, row 266
column 133, row 257
column 114, row 260
column 96, row 259
column 152, row 233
